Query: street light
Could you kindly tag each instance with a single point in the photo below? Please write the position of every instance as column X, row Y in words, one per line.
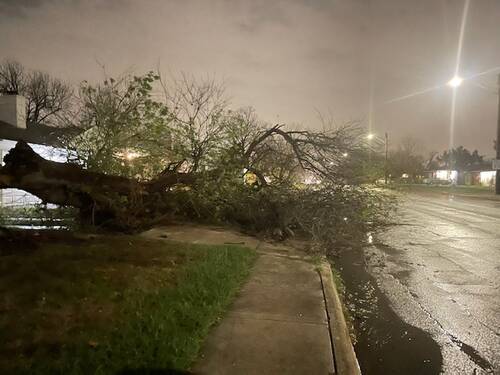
column 455, row 81
column 370, row 136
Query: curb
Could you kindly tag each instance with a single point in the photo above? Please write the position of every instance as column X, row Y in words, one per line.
column 345, row 359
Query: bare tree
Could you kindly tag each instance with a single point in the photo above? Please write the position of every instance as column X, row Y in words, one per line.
column 47, row 98
column 431, row 162
column 410, row 145
column 278, row 153
column 241, row 127
column 196, row 109
column 406, row 159
column 12, row 76
column 318, row 152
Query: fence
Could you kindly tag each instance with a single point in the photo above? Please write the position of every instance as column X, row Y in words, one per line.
column 17, row 198
column 20, row 198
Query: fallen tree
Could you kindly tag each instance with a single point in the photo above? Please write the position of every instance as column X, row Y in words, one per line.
column 329, row 212
column 112, row 201
column 123, row 203
column 136, row 160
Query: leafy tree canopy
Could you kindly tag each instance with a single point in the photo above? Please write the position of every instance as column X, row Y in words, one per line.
column 459, row 158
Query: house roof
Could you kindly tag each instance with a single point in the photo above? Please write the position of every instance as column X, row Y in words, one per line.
column 36, row 133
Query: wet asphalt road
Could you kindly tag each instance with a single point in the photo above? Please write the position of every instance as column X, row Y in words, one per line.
column 440, row 270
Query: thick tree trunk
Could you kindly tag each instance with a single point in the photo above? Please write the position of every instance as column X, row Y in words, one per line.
column 111, row 201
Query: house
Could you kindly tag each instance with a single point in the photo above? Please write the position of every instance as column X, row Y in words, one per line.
column 44, row 140
column 487, row 178
column 482, row 175
column 440, row 177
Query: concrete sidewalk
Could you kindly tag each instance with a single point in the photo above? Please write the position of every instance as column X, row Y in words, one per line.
column 279, row 322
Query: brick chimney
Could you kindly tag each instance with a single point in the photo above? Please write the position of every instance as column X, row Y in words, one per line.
column 13, row 109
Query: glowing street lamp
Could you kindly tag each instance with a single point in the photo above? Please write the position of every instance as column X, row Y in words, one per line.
column 370, row 136
column 455, row 81
column 345, row 154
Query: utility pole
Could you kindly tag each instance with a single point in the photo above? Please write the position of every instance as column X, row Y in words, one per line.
column 386, row 167
column 497, row 162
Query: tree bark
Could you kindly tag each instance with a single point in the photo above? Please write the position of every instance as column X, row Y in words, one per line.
column 111, row 201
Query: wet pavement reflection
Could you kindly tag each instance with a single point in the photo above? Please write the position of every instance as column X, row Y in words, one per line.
column 425, row 294
column 385, row 344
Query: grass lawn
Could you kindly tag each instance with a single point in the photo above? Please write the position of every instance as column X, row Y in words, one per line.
column 111, row 303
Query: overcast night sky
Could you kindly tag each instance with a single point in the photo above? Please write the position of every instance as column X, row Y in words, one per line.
column 286, row 58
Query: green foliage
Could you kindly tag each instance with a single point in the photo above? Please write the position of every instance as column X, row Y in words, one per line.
column 125, row 131
column 129, row 133
column 459, row 158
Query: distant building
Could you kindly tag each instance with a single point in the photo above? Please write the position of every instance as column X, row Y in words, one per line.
column 446, row 175
column 486, row 178
column 479, row 175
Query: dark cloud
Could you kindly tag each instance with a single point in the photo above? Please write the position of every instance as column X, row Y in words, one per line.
column 19, row 8
column 23, row 8
column 257, row 15
column 285, row 57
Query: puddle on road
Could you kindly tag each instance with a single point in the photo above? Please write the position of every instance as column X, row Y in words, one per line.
column 385, row 343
